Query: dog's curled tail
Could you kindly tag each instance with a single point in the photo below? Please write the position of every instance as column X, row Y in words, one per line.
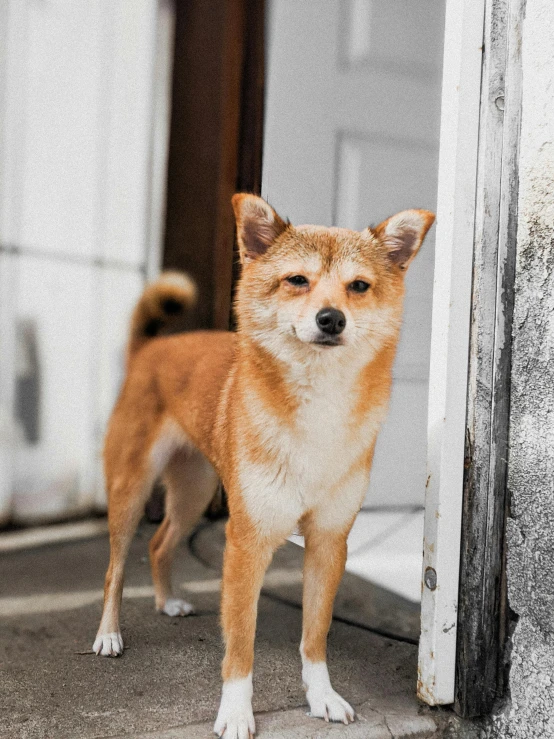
column 161, row 308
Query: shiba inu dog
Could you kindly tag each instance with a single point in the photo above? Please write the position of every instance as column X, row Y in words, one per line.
column 285, row 411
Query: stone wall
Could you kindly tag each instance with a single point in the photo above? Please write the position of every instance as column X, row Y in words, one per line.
column 530, row 535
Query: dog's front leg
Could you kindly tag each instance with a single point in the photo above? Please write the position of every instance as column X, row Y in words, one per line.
column 247, row 557
column 324, row 560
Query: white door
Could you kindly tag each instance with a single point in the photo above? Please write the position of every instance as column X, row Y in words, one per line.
column 79, row 229
column 351, row 137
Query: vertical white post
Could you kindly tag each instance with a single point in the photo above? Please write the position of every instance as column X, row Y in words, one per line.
column 449, row 347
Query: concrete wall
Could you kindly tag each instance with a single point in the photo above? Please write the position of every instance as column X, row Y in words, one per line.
column 531, row 465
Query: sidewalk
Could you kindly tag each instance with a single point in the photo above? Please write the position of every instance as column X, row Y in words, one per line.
column 167, row 683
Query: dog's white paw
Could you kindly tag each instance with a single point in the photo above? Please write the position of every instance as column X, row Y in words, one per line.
column 324, row 702
column 108, row 645
column 177, row 607
column 330, row 706
column 236, row 725
column 235, row 719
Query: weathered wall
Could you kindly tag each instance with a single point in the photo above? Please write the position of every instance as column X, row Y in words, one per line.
column 530, row 712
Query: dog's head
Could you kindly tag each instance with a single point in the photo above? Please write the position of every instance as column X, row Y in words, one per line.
column 322, row 289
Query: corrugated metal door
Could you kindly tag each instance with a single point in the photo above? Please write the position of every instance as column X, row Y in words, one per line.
column 84, row 93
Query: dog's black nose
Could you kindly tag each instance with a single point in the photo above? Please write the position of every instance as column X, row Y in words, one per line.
column 331, row 321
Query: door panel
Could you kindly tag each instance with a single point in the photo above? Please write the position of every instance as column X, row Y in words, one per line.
column 396, row 35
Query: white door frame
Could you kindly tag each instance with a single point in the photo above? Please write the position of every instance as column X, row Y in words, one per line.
column 448, row 380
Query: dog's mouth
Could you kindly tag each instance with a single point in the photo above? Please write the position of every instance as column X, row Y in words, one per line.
column 330, row 341
column 321, row 340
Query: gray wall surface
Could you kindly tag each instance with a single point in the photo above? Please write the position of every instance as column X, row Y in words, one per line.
column 529, row 712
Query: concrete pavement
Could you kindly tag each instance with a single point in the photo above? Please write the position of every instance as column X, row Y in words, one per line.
column 167, row 683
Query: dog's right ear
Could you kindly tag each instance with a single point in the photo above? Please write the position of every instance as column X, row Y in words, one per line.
column 258, row 225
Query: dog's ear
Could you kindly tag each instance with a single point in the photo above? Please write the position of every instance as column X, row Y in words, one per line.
column 403, row 234
column 258, row 225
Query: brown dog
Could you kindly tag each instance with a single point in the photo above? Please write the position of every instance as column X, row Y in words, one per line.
column 286, row 412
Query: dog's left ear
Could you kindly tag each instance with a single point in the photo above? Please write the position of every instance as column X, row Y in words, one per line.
column 258, row 225
column 403, row 234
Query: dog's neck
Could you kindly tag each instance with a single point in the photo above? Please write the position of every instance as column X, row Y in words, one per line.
column 305, row 369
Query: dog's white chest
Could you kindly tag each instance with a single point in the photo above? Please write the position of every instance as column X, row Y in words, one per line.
column 320, row 445
column 311, row 465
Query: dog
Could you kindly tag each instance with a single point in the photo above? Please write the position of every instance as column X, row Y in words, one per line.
column 285, row 411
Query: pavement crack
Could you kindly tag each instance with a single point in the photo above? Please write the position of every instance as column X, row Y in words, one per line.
column 387, row 726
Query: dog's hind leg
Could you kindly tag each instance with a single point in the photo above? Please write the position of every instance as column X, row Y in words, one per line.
column 191, row 483
column 131, row 468
column 324, row 561
column 125, row 511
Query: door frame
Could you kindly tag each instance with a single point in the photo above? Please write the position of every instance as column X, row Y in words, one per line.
column 464, row 603
column 483, row 607
column 215, row 143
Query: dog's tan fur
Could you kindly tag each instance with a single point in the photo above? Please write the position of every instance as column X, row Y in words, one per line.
column 288, row 424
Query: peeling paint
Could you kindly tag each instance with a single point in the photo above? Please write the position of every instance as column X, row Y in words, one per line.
column 425, row 691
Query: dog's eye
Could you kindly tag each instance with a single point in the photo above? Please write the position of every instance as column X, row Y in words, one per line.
column 359, row 286
column 297, row 280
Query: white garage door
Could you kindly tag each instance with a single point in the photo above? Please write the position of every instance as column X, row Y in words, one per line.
column 83, row 109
